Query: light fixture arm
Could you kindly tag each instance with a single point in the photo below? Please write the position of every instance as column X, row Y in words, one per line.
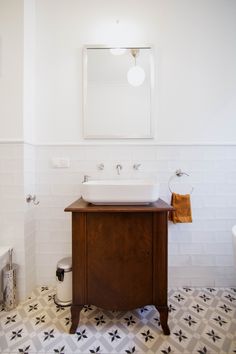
column 134, row 53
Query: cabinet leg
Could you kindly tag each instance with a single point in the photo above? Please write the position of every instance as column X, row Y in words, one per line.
column 163, row 310
column 75, row 314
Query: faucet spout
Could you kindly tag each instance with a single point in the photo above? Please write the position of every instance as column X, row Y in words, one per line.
column 118, row 168
column 86, row 178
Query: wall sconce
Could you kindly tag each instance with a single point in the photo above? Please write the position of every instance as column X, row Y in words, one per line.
column 136, row 74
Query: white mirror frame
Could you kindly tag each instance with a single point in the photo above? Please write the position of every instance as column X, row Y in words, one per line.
column 86, row 135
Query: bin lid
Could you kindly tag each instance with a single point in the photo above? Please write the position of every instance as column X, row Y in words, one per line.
column 65, row 263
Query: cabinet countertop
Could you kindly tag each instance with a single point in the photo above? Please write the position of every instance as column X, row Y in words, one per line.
column 81, row 206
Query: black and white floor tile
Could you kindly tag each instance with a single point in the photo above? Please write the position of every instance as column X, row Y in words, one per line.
column 202, row 321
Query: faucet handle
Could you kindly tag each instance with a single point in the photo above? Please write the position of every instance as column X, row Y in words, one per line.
column 101, row 166
column 136, row 166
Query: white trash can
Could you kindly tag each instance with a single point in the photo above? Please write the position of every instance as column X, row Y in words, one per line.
column 63, row 295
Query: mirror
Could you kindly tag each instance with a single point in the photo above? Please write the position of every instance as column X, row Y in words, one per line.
column 114, row 106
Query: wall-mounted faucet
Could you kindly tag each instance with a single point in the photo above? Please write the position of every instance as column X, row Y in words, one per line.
column 86, row 178
column 118, row 168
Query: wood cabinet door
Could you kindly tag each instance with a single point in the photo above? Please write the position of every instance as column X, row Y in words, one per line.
column 119, row 259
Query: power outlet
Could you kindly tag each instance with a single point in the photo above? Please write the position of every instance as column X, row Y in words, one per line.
column 60, row 162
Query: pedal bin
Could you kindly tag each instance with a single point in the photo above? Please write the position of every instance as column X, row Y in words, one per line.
column 63, row 295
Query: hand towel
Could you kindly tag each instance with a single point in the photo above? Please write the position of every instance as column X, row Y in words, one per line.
column 182, row 205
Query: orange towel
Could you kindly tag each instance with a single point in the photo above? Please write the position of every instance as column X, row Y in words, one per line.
column 182, row 205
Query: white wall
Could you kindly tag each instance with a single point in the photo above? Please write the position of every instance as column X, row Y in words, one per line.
column 17, row 160
column 195, row 101
column 17, row 219
column 195, row 55
column 12, row 206
column 29, row 70
column 29, row 218
column 200, row 254
column 11, row 69
column 195, row 51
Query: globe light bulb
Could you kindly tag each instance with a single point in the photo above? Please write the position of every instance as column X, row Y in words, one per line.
column 136, row 76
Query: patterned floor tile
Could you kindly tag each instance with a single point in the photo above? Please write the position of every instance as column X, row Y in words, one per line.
column 202, row 321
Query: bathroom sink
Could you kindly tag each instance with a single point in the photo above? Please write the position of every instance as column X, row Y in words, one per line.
column 120, row 192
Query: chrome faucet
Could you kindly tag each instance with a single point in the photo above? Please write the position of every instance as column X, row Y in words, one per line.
column 118, row 168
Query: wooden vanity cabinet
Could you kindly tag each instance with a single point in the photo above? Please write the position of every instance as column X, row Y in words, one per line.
column 119, row 257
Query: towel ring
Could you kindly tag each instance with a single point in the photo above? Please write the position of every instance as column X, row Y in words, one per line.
column 178, row 173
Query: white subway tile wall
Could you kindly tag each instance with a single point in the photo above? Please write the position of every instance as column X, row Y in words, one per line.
column 17, row 219
column 29, row 217
column 12, row 206
column 200, row 254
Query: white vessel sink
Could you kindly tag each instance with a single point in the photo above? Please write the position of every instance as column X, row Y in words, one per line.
column 120, row 192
